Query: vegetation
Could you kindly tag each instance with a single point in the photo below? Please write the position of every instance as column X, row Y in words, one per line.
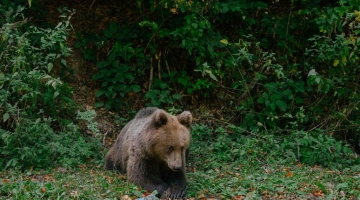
column 235, row 166
column 273, row 86
column 38, row 115
column 295, row 69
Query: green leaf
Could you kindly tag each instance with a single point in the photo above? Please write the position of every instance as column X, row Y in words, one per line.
column 102, row 64
column 99, row 93
column 282, row 105
column 138, row 193
column 113, row 27
column 49, row 67
column 213, row 77
column 342, row 185
column 287, row 92
column 267, row 103
column 299, row 100
column 312, row 73
column 177, row 96
column 112, row 56
column 266, row 96
column 272, row 106
column 322, row 187
column 275, row 97
column 225, row 8
column 336, row 62
column 6, row 116
column 224, row 41
column 99, row 104
column 135, row 88
column 107, row 33
column 63, row 62
column 56, row 94
column 261, row 100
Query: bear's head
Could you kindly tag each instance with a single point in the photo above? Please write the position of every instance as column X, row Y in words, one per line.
column 170, row 138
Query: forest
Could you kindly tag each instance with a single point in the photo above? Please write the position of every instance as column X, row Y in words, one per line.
column 273, row 88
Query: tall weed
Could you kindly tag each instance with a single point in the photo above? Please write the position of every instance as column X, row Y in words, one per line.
column 38, row 117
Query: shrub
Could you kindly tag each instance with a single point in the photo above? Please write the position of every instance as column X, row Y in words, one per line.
column 37, row 108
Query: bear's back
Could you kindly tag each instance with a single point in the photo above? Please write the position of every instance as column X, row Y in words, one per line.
column 145, row 112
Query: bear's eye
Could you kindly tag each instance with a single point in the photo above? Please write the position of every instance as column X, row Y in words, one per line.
column 170, row 148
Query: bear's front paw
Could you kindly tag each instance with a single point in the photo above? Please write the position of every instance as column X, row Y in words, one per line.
column 174, row 193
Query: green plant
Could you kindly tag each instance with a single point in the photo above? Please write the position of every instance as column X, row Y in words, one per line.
column 88, row 116
column 37, row 110
column 35, row 143
column 160, row 94
column 317, row 148
column 115, row 72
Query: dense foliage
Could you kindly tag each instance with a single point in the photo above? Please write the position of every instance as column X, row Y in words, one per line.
column 38, row 124
column 268, row 67
column 271, row 65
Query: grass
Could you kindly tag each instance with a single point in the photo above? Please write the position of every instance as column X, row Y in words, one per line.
column 224, row 164
column 229, row 182
column 275, row 182
column 83, row 182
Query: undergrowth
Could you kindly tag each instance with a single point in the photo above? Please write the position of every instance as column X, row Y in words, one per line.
column 38, row 116
column 224, row 163
column 288, row 90
column 229, row 162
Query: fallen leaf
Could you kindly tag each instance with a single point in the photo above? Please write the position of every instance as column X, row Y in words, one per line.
column 342, row 193
column 73, row 193
column 5, row 181
column 286, row 169
column 289, row 174
column 43, row 190
column 267, row 170
column 173, row 10
column 318, row 194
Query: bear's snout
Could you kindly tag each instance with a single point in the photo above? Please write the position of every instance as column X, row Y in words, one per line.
column 174, row 161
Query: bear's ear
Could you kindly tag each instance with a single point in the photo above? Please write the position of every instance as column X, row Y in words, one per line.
column 185, row 118
column 160, row 118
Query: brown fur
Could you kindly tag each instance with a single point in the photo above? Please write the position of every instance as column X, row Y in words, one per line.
column 151, row 149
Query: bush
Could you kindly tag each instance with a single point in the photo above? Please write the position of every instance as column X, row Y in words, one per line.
column 37, row 108
column 278, row 66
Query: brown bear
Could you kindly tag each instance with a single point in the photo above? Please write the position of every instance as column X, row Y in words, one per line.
column 151, row 149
